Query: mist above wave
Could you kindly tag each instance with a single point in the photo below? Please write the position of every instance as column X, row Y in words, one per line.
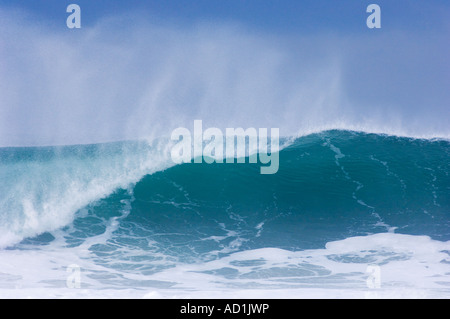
column 127, row 78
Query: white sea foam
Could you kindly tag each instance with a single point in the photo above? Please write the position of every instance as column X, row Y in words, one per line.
column 409, row 267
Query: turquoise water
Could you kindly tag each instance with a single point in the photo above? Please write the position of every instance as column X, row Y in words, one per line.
column 132, row 211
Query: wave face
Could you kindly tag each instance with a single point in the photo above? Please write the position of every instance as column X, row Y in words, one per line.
column 123, row 212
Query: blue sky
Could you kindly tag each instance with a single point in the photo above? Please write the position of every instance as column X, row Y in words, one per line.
column 141, row 68
column 269, row 15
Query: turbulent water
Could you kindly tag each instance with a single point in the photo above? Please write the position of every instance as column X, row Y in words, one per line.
column 347, row 214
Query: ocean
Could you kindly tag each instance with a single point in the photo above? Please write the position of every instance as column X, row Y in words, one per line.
column 348, row 215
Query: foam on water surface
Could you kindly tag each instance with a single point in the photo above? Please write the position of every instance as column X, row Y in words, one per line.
column 382, row 265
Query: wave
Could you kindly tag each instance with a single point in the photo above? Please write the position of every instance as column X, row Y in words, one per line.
column 330, row 185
